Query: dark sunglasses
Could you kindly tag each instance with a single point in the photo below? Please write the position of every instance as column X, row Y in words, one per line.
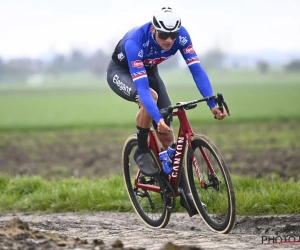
column 165, row 35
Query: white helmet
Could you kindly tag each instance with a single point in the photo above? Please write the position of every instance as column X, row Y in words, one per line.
column 166, row 20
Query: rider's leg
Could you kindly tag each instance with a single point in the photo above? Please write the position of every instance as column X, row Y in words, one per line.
column 165, row 138
column 120, row 81
column 183, row 183
column 143, row 123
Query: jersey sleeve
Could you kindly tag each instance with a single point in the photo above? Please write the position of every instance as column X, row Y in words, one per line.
column 199, row 75
column 140, row 78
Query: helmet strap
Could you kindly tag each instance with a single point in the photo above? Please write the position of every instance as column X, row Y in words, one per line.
column 154, row 35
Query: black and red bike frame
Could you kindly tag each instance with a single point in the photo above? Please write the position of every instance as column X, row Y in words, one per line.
column 185, row 133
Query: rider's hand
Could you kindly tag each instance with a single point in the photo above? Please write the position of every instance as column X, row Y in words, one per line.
column 217, row 112
column 162, row 127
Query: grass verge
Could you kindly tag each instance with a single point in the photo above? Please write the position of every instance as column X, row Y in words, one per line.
column 35, row 194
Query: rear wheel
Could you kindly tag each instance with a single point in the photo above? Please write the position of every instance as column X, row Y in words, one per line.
column 149, row 205
column 215, row 199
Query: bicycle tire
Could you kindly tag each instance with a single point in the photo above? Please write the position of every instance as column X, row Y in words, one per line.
column 148, row 205
column 218, row 217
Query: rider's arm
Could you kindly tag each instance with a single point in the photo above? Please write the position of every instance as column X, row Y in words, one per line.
column 200, row 77
column 140, row 78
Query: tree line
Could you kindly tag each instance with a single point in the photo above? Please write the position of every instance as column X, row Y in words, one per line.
column 96, row 63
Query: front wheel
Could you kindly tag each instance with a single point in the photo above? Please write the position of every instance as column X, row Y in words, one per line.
column 148, row 204
column 210, row 184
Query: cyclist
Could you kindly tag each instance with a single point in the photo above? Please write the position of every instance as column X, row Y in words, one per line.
column 133, row 75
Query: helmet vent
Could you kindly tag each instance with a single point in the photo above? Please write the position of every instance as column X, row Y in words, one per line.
column 166, row 20
column 170, row 29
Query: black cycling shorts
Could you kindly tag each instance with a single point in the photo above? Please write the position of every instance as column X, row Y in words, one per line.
column 120, row 81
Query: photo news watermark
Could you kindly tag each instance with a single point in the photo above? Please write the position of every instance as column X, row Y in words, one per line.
column 289, row 239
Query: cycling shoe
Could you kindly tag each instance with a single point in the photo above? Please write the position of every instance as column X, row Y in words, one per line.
column 145, row 163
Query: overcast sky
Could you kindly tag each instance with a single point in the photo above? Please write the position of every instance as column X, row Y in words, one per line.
column 33, row 27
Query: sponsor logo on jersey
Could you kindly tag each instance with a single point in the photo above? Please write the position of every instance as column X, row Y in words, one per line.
column 137, row 64
column 155, row 61
column 189, row 50
column 192, row 60
column 141, row 53
column 151, row 52
column 146, row 44
column 121, row 56
column 138, row 75
column 121, row 85
column 182, row 40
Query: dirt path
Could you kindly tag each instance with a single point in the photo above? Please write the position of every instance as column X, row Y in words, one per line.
column 90, row 230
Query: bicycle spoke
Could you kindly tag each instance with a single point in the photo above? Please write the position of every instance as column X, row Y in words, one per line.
column 148, row 204
column 211, row 185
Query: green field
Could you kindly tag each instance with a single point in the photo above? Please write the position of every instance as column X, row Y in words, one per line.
column 85, row 101
column 75, row 126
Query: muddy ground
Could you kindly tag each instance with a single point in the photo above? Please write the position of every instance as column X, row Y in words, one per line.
column 125, row 231
column 96, row 153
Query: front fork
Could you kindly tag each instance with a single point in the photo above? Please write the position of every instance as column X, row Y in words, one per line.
column 198, row 172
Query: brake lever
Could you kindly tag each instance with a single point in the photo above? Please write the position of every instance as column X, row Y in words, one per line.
column 226, row 107
column 219, row 100
column 221, row 104
column 168, row 120
column 167, row 115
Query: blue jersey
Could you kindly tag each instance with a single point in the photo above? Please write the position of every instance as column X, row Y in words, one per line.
column 138, row 50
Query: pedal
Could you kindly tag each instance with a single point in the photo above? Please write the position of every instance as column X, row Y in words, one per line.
column 186, row 204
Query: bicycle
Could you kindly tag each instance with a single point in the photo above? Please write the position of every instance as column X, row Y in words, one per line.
column 206, row 172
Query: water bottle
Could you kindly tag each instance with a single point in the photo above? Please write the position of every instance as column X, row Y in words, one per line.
column 163, row 156
column 171, row 152
column 166, row 158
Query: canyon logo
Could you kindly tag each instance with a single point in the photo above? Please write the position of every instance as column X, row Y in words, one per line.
column 177, row 156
